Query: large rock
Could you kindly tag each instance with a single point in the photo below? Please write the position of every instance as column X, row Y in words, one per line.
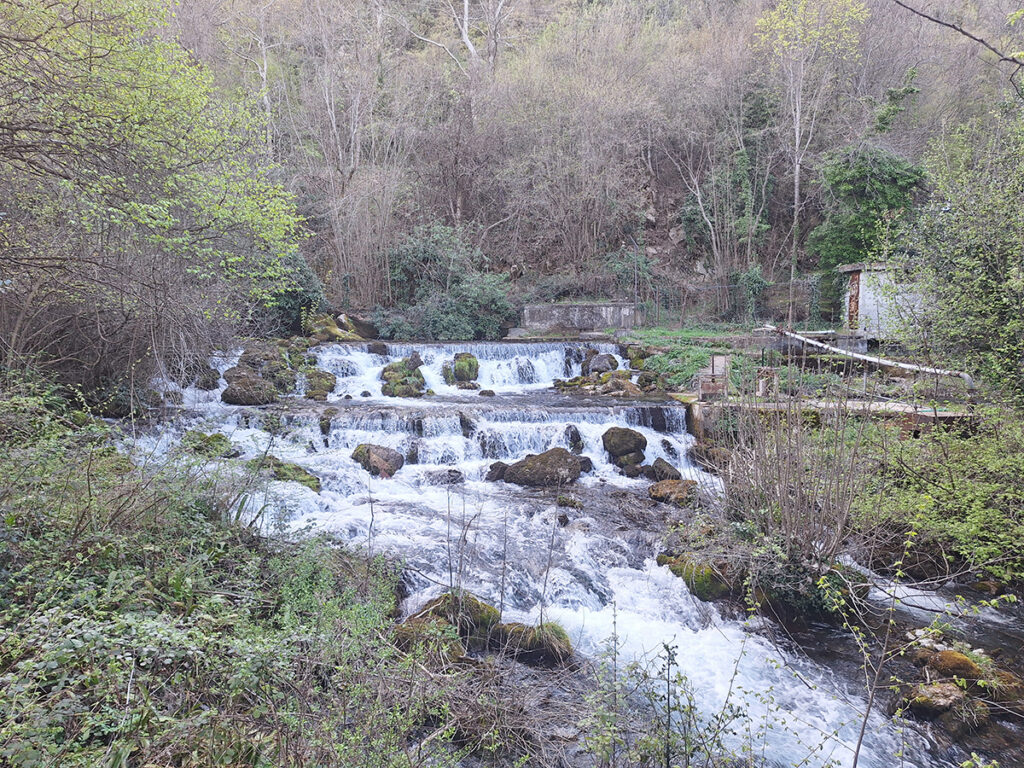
column 403, row 378
column 662, row 470
column 602, row 364
column 496, row 472
column 246, row 387
column 678, row 492
column 955, row 664
column 619, row 441
column 556, row 467
column 378, row 460
column 931, row 700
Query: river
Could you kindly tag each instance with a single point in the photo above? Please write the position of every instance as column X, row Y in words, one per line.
column 588, row 569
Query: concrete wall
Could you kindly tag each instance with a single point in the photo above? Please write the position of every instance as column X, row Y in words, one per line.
column 546, row 318
column 876, row 311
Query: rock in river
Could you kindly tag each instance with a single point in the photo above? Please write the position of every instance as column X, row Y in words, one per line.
column 551, row 468
column 378, row 460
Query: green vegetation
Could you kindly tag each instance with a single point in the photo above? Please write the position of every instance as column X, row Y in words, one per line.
column 963, row 252
column 145, row 622
column 443, row 290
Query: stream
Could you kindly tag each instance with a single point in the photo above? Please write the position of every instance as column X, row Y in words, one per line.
column 593, row 571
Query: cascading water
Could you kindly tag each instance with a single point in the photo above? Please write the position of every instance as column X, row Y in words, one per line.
column 507, row 544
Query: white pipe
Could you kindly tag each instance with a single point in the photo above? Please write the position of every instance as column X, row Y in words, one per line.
column 971, row 388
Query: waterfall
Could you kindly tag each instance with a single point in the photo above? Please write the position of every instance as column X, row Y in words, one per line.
column 587, row 570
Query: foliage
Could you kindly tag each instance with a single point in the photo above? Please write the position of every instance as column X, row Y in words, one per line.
column 680, row 364
column 145, row 624
column 962, row 253
column 137, row 209
column 965, row 492
column 751, row 284
column 864, row 186
column 442, row 291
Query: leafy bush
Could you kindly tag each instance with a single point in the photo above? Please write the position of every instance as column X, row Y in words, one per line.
column 443, row 291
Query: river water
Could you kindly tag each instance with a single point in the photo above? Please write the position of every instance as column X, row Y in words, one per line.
column 593, row 571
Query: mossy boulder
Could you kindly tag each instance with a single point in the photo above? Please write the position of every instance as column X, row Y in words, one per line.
column 210, row 446
column 403, row 378
column 319, row 384
column 955, row 664
column 326, row 328
column 466, row 367
column 704, row 581
column 473, row 619
column 378, row 460
column 568, row 501
column 676, row 492
column 555, row 467
column 246, row 387
column 930, row 700
column 621, row 441
column 273, row 467
column 546, row 645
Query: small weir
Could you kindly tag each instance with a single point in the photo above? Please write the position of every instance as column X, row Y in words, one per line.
column 592, row 570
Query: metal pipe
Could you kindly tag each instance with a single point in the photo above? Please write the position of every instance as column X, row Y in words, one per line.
column 971, row 388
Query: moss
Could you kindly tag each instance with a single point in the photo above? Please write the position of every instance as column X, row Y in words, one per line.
column 319, row 384
column 474, row 619
column 704, row 582
column 402, row 379
column 448, row 374
column 211, row 446
column 466, row 367
column 271, row 466
column 568, row 501
column 545, row 645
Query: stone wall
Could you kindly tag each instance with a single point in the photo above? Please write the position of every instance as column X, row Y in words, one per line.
column 549, row 318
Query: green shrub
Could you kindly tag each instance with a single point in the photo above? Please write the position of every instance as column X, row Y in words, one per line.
column 443, row 291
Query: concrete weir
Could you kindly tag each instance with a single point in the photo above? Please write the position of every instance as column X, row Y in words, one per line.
column 549, row 318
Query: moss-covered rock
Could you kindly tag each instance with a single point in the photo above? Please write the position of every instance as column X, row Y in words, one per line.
column 546, row 645
column 246, row 387
column 273, row 467
column 473, row 619
column 378, row 460
column 955, row 664
column 403, row 378
column 319, row 384
column 932, row 699
column 704, row 581
column 601, row 364
column 466, row 367
column 555, row 467
column 677, row 492
column 326, row 328
column 568, row 501
column 210, row 446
